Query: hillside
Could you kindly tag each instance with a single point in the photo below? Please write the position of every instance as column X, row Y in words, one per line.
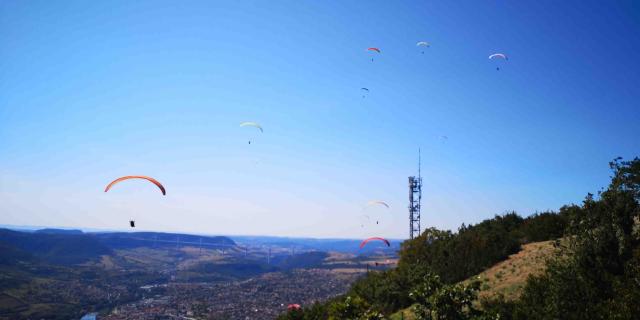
column 509, row 277
column 506, row 278
column 55, row 248
column 56, row 274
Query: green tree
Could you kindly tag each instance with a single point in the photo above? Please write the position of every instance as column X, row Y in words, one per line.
column 353, row 308
column 455, row 257
column 438, row 301
column 595, row 275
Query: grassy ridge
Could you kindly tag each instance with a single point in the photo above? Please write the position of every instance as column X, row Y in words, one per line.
column 506, row 278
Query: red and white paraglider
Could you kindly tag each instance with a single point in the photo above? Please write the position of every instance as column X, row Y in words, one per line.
column 365, row 241
column 373, row 50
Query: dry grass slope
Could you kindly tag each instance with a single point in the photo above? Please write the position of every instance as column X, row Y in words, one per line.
column 507, row 277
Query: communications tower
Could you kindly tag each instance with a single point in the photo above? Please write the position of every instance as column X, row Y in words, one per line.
column 415, row 196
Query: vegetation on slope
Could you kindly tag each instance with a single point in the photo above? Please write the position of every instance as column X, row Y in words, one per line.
column 595, row 274
column 508, row 278
column 65, row 249
column 441, row 258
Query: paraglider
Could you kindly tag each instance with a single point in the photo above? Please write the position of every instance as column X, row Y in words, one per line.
column 364, row 91
column 375, row 203
column 423, row 44
column 152, row 180
column 498, row 56
column 252, row 124
column 132, row 222
column 365, row 241
column 373, row 49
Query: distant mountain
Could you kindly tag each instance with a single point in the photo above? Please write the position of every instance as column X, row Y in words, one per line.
column 65, row 249
column 127, row 240
column 68, row 247
column 59, row 231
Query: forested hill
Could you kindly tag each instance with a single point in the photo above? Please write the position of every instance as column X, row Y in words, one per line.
column 55, row 248
column 595, row 274
column 59, row 231
column 124, row 240
column 68, row 247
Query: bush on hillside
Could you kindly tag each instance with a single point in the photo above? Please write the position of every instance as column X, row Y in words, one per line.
column 544, row 226
column 597, row 274
column 435, row 300
column 455, row 257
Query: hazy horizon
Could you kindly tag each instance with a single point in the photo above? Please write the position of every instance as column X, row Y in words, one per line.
column 130, row 230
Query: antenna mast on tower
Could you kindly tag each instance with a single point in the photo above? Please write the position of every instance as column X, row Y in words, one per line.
column 415, row 197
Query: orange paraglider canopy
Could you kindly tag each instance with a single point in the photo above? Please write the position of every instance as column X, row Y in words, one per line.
column 364, row 242
column 152, row 180
column 374, row 49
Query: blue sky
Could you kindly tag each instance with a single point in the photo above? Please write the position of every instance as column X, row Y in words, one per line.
column 93, row 91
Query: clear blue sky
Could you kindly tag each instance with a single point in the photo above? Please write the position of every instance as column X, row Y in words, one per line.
column 90, row 91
